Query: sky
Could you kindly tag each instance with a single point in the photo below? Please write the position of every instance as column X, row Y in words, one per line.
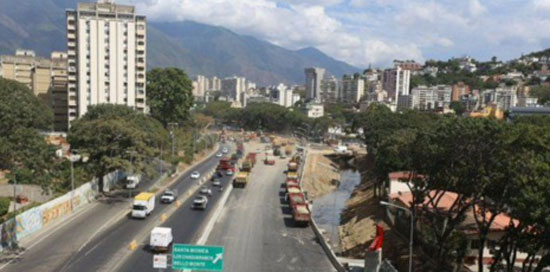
column 375, row 32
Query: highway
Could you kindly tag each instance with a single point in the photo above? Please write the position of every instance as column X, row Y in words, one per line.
column 93, row 238
column 257, row 229
column 185, row 224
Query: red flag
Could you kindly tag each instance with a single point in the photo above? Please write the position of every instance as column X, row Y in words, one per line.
column 378, row 240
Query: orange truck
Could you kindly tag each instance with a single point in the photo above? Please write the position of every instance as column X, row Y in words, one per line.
column 301, row 214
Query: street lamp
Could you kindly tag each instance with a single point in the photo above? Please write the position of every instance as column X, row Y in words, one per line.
column 171, row 125
column 411, row 231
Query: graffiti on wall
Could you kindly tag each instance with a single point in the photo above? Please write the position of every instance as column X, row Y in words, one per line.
column 51, row 214
column 9, row 239
column 29, row 222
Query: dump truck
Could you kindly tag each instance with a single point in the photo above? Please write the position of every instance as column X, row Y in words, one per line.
column 292, row 175
column 292, row 166
column 288, row 150
column 241, row 180
column 247, row 165
column 269, row 160
column 301, row 214
column 225, row 164
column 294, row 198
column 252, row 157
column 144, row 203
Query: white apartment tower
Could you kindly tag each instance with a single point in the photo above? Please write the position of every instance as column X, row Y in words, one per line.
column 396, row 82
column 106, row 56
column 314, row 76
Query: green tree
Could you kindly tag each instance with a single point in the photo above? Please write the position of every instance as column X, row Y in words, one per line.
column 106, row 134
column 458, row 107
column 22, row 149
column 169, row 95
column 542, row 93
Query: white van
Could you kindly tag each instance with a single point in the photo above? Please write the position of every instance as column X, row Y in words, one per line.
column 161, row 238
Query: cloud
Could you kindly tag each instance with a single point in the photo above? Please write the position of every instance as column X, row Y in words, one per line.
column 364, row 32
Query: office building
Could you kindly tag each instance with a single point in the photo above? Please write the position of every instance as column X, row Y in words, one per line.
column 314, row 76
column 106, row 57
column 282, row 95
column 58, row 91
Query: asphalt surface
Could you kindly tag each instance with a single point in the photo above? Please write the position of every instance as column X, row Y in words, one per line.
column 186, row 224
column 257, row 230
column 103, row 252
column 55, row 244
column 89, row 240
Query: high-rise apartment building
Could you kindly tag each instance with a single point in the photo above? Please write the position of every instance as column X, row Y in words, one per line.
column 34, row 72
column 106, row 56
column 201, row 86
column 232, row 87
column 314, row 76
column 396, row 82
column 329, row 89
column 215, row 84
column 58, row 91
column 353, row 89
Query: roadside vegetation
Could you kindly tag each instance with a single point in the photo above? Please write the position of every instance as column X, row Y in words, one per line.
column 496, row 168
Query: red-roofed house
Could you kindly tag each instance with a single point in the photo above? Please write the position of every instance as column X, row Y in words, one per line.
column 468, row 227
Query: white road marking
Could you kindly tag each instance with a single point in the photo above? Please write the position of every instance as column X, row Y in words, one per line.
column 50, row 232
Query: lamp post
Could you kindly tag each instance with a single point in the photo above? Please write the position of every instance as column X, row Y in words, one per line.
column 411, row 231
column 171, row 125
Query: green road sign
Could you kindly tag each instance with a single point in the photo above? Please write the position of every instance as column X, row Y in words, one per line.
column 192, row 257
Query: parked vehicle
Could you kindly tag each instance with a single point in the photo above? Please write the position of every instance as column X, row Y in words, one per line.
column 144, row 204
column 168, row 196
column 269, row 160
column 241, row 180
column 200, row 202
column 161, row 239
column 133, row 181
column 301, row 214
column 195, row 175
column 292, row 166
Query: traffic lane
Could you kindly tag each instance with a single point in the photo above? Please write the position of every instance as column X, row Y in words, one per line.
column 256, row 226
column 185, row 223
column 56, row 245
column 100, row 250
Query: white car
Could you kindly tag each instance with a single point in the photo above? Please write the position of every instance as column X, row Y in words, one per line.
column 225, row 150
column 195, row 175
column 200, row 202
column 229, row 172
column 206, row 191
column 216, row 183
column 219, row 155
column 168, row 196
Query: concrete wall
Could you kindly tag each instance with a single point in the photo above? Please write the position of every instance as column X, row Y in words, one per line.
column 50, row 212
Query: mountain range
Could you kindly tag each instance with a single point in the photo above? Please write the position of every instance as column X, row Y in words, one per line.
column 197, row 48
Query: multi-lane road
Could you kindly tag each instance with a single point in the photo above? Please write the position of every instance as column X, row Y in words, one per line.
column 93, row 239
column 257, row 229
